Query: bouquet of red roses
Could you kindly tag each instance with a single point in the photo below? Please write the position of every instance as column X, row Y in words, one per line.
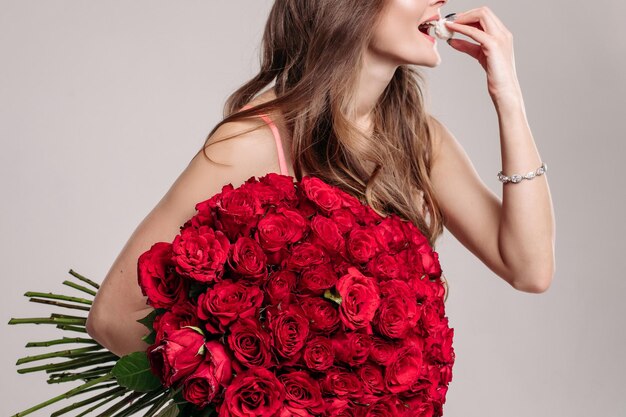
column 283, row 298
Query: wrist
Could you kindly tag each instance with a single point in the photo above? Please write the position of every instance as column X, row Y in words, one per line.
column 507, row 102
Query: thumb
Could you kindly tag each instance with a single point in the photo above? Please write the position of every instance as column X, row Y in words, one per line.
column 469, row 48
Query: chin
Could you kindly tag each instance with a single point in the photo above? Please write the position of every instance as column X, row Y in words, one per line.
column 430, row 62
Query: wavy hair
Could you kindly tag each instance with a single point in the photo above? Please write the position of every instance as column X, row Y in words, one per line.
column 313, row 52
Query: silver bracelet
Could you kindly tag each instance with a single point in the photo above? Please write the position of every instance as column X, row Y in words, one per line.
column 515, row 178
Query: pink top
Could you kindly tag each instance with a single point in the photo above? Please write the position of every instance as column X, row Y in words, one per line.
column 279, row 145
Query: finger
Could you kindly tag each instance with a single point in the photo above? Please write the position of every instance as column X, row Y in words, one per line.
column 474, row 33
column 478, row 15
column 469, row 48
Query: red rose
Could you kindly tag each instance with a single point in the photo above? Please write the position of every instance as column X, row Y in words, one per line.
column 183, row 314
column 359, row 299
column 384, row 407
column 391, row 232
column 302, row 393
column 305, row 255
column 372, row 377
column 404, row 370
column 279, row 189
column 250, row 343
column 316, row 279
column 430, row 262
column 420, row 406
column 177, row 355
column 432, row 314
column 397, row 316
column 398, row 312
column 226, row 302
column 352, row 348
column 279, row 228
column 424, row 289
column 289, row 328
column 439, row 344
column 385, row 266
column 203, row 385
column 363, row 244
column 200, row 253
column 342, row 384
column 279, row 285
column 157, row 279
column 326, row 233
column 383, row 350
column 237, row 212
column 324, row 196
column 344, row 219
column 415, row 236
column 248, row 259
column 363, row 213
column 337, row 407
column 322, row 314
column 255, row 392
column 318, row 354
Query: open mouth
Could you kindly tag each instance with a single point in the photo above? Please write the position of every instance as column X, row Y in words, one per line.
column 426, row 27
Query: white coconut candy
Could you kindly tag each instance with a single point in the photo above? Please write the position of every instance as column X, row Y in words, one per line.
column 441, row 30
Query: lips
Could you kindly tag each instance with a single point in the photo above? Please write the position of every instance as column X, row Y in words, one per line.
column 435, row 17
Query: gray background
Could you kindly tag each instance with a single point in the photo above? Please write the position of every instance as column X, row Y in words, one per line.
column 102, row 105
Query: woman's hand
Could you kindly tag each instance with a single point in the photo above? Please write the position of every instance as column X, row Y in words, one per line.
column 494, row 51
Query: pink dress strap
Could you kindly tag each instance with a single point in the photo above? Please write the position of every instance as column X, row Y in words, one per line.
column 279, row 145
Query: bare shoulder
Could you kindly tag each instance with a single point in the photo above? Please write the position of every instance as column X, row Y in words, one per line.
column 245, row 145
column 439, row 133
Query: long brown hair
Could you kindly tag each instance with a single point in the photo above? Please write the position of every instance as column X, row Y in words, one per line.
column 313, row 50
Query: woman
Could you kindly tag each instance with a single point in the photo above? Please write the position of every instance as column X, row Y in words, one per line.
column 348, row 107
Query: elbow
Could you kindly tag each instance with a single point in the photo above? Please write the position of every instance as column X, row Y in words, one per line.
column 94, row 327
column 534, row 283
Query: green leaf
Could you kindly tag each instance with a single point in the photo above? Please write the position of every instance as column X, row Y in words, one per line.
column 332, row 296
column 133, row 372
column 197, row 329
column 170, row 411
column 149, row 319
column 150, row 338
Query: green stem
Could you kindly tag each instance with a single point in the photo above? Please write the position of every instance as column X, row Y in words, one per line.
column 76, row 363
column 88, row 360
column 143, row 402
column 110, row 393
column 67, row 316
column 100, row 404
column 82, row 278
column 37, row 300
column 68, row 353
column 57, row 297
column 79, row 287
column 72, row 328
column 88, row 374
column 61, row 341
column 47, row 320
column 101, row 386
column 65, row 395
column 158, row 404
column 120, row 404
